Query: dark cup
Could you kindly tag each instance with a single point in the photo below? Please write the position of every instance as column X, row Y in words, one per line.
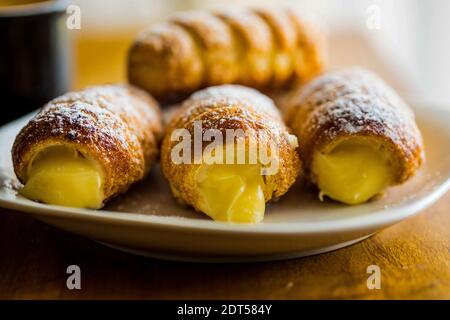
column 34, row 56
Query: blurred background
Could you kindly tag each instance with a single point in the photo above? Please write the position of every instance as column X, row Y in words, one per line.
column 406, row 41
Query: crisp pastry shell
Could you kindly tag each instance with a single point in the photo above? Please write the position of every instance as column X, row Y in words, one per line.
column 239, row 111
column 118, row 127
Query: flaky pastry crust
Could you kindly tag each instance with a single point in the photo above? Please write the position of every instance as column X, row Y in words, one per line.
column 349, row 103
column 119, row 127
column 230, row 107
column 265, row 48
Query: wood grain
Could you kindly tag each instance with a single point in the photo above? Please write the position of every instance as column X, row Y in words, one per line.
column 414, row 256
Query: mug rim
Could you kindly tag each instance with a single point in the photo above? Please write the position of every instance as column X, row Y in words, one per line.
column 34, row 9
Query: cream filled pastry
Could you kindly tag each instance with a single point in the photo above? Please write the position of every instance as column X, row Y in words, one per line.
column 229, row 188
column 356, row 135
column 86, row 147
column 266, row 48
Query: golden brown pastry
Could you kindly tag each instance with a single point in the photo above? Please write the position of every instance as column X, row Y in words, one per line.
column 86, row 147
column 265, row 48
column 232, row 187
column 356, row 135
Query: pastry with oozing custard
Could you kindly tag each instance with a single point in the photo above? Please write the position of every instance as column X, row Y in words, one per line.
column 86, row 147
column 357, row 136
column 229, row 188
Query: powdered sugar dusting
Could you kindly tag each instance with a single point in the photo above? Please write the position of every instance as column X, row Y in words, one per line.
column 354, row 102
column 118, row 126
column 237, row 108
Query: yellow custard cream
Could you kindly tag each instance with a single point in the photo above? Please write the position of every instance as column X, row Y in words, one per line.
column 62, row 176
column 231, row 192
column 353, row 172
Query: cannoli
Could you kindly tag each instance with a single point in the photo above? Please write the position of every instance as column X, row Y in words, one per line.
column 264, row 48
column 253, row 159
column 356, row 135
column 86, row 147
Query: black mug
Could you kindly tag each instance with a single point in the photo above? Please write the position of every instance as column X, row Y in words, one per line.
column 34, row 55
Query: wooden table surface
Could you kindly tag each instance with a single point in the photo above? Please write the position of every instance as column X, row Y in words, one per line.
column 414, row 256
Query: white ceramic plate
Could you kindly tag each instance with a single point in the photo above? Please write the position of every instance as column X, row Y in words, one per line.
column 149, row 222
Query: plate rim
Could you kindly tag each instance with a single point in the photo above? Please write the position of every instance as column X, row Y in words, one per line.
column 378, row 218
